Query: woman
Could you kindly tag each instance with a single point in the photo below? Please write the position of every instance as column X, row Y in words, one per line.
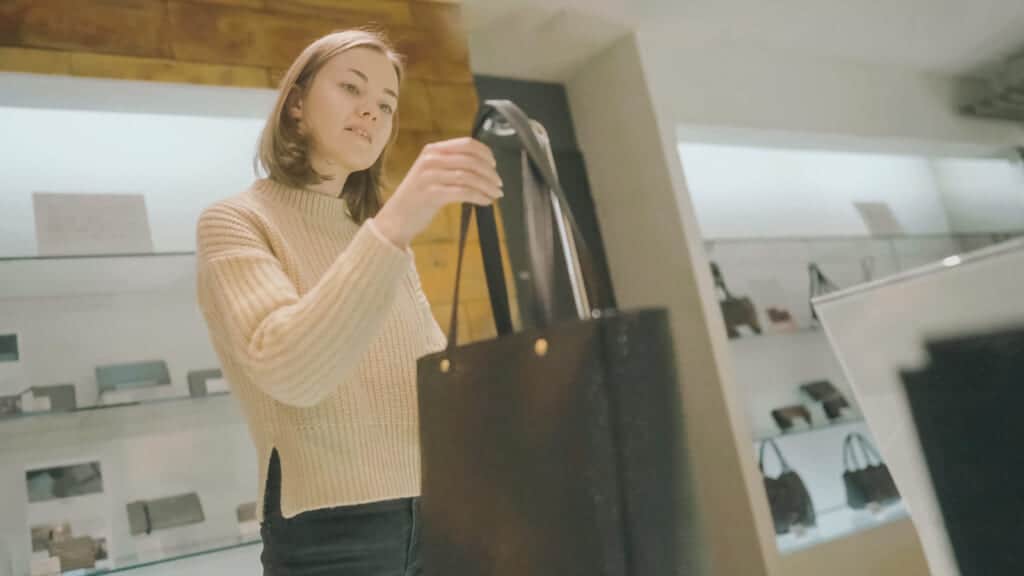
column 314, row 307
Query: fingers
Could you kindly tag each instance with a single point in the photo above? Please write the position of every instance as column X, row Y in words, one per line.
column 466, row 171
column 460, row 194
column 467, row 146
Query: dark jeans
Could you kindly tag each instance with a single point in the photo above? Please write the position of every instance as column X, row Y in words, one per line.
column 375, row 539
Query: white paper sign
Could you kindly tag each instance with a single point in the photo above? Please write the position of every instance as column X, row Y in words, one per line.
column 91, row 224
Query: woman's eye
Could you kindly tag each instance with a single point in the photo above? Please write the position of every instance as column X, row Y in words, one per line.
column 350, row 88
column 387, row 109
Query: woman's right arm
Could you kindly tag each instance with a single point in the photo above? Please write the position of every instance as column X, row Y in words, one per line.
column 297, row 349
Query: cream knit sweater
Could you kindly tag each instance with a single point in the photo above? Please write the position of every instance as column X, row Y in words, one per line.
column 318, row 323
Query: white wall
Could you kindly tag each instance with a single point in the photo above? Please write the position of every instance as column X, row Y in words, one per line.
column 981, row 195
column 746, row 192
column 731, row 85
column 180, row 163
column 656, row 260
column 767, row 192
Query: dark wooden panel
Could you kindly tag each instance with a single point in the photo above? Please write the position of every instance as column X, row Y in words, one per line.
column 373, row 12
column 447, row 48
column 414, row 106
column 453, row 106
column 223, row 35
column 35, row 61
column 129, row 27
column 158, row 70
column 255, row 4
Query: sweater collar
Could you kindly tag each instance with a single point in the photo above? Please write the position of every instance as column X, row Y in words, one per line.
column 307, row 202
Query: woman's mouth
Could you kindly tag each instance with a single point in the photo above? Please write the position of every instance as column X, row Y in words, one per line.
column 360, row 132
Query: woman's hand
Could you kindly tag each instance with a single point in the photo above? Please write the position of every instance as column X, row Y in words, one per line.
column 447, row 172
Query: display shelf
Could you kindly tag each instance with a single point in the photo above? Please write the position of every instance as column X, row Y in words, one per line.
column 838, row 423
column 136, row 562
column 840, row 522
column 97, row 423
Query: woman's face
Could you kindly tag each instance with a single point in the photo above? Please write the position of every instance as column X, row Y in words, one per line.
column 349, row 109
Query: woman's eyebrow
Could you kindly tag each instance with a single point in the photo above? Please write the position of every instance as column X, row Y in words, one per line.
column 367, row 79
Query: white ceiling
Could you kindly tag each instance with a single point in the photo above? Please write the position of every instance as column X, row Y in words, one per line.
column 546, row 39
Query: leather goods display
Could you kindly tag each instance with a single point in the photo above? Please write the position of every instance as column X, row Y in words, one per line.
column 820, row 285
column 820, row 390
column 834, row 407
column 870, row 484
column 736, row 311
column 832, row 400
column 76, row 553
column 145, row 516
column 781, row 319
column 9, row 348
column 784, row 417
column 246, row 512
column 966, row 404
column 60, row 397
column 10, row 405
column 43, row 534
column 134, row 382
column 135, row 375
column 552, row 451
column 204, row 382
column 788, row 498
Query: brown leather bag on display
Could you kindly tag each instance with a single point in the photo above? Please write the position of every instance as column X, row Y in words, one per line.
column 736, row 311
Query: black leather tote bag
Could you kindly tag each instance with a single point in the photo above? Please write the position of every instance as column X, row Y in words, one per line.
column 552, row 451
column 788, row 498
column 870, row 484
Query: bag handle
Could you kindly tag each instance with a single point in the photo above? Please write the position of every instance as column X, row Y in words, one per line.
column 538, row 176
column 820, row 284
column 719, row 278
column 778, row 455
column 871, row 456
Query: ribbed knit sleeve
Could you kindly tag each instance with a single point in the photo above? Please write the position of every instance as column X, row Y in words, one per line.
column 298, row 349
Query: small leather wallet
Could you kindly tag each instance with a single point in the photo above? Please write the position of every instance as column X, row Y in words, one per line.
column 834, row 407
column 820, row 390
column 145, row 516
column 784, row 417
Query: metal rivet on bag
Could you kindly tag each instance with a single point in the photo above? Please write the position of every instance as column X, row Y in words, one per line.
column 446, row 365
column 541, row 347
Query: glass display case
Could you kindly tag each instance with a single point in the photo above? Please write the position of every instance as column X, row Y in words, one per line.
column 882, row 331
column 785, row 221
column 120, row 445
column 797, row 393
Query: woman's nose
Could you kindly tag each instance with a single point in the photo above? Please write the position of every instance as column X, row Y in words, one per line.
column 367, row 113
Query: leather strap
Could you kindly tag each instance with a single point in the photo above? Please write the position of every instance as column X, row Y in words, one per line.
column 538, row 175
column 493, row 269
column 850, row 444
column 778, row 454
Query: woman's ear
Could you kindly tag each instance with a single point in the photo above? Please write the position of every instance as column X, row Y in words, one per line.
column 293, row 106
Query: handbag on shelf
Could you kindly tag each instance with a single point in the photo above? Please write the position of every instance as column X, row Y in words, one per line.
column 788, row 498
column 820, row 285
column 871, row 484
column 737, row 311
column 554, row 450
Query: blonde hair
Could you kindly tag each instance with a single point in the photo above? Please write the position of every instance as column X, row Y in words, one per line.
column 283, row 151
